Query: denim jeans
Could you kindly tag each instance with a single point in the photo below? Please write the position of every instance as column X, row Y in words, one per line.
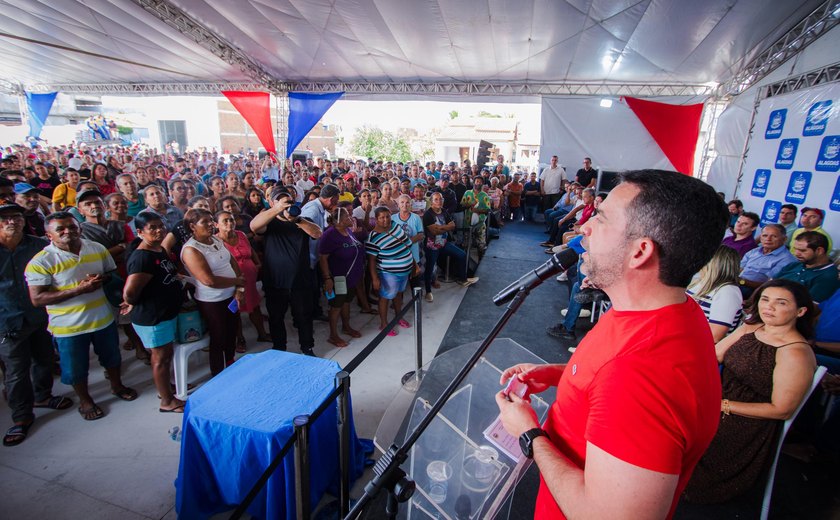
column 573, row 312
column 554, row 215
column 29, row 351
column 530, row 213
column 75, row 356
column 459, row 261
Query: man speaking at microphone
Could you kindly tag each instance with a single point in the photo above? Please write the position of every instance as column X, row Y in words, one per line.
column 639, row 400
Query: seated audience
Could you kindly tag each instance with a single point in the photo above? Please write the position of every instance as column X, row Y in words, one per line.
column 813, row 267
column 768, row 367
column 763, row 263
column 716, row 290
column 742, row 237
column 437, row 225
column 811, row 220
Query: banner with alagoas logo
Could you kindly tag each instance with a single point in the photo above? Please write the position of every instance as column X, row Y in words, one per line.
column 794, row 156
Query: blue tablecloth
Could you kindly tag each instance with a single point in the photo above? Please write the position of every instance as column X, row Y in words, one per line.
column 237, row 422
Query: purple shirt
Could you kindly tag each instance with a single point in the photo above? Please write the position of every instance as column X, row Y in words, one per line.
column 742, row 246
column 346, row 255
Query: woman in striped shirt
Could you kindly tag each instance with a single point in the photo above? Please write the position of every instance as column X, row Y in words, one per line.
column 718, row 293
column 390, row 264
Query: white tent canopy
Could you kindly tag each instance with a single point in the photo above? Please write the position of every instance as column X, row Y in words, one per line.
column 49, row 42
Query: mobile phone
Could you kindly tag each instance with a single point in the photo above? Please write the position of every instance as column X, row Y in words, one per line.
column 233, row 306
column 515, row 386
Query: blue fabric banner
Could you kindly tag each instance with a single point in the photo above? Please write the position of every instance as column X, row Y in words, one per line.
column 38, row 108
column 305, row 110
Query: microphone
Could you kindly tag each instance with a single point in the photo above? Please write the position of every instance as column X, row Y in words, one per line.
column 558, row 263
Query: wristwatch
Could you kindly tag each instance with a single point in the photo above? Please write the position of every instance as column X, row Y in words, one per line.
column 526, row 441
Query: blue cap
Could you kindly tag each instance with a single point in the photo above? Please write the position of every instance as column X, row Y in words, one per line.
column 24, row 187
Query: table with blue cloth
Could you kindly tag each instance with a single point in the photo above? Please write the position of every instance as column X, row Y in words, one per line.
column 238, row 421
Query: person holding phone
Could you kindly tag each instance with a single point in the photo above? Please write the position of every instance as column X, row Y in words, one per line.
column 341, row 258
column 288, row 280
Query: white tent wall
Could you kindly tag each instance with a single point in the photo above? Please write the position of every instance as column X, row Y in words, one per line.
column 615, row 139
column 734, row 122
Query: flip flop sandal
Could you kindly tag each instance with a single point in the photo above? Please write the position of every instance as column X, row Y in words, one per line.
column 56, row 403
column 92, row 414
column 404, row 324
column 16, row 434
column 392, row 332
column 177, row 409
column 125, row 393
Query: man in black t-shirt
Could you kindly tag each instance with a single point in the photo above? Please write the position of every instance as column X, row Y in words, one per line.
column 288, row 279
column 587, row 176
column 531, row 190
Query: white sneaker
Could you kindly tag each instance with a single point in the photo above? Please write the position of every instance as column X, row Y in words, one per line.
column 563, row 277
column 584, row 313
column 429, row 297
column 572, row 349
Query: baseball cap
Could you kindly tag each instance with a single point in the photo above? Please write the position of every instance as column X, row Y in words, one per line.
column 11, row 206
column 444, row 177
column 818, row 211
column 24, row 187
column 90, row 192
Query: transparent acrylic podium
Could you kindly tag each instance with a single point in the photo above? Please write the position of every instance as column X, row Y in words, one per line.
column 460, row 473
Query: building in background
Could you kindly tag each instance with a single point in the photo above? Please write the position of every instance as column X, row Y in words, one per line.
column 459, row 139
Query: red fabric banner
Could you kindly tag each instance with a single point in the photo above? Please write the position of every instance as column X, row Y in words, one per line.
column 255, row 108
column 675, row 128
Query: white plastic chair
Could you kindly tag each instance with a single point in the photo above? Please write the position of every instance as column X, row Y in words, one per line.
column 768, row 489
column 180, row 363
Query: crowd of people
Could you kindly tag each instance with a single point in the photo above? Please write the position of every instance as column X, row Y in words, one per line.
column 107, row 237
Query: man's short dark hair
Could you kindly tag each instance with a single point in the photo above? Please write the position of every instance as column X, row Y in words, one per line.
column 329, row 191
column 58, row 215
column 752, row 216
column 790, row 207
column 813, row 239
column 683, row 216
column 738, row 203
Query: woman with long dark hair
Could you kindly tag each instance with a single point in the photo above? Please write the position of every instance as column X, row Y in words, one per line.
column 768, row 367
column 154, row 296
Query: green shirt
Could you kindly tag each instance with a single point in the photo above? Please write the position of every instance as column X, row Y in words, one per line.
column 470, row 196
column 821, row 281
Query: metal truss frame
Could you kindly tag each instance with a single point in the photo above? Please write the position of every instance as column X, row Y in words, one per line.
column 812, row 78
column 179, row 20
column 819, row 21
column 443, row 89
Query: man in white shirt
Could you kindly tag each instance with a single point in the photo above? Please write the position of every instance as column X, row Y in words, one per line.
column 551, row 180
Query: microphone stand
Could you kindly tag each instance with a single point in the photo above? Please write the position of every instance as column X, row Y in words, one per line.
column 388, row 474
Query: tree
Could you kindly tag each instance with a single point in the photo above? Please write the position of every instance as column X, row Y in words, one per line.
column 484, row 113
column 370, row 141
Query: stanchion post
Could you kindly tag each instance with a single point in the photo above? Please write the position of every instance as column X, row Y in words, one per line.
column 418, row 330
column 342, row 380
column 302, row 494
column 411, row 380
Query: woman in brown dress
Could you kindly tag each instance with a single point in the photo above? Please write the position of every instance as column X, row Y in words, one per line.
column 768, row 367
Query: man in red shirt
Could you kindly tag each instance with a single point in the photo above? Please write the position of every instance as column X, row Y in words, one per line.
column 639, row 401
